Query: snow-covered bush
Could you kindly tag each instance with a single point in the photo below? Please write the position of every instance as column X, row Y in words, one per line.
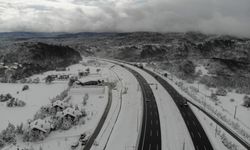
column 194, row 89
column 61, row 96
column 98, row 70
column 15, row 103
column 36, row 80
column 85, row 98
column 72, row 80
column 8, row 135
column 214, row 97
column 2, row 143
column 227, row 143
column 19, row 129
column 32, row 136
column 4, row 98
column 23, row 80
column 232, row 100
column 187, row 67
column 246, row 101
column 57, row 123
column 208, row 81
column 66, row 124
column 25, row 87
column 83, row 113
column 221, row 92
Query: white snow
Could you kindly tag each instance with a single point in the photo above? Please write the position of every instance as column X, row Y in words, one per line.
column 173, row 129
column 126, row 131
column 36, row 96
column 39, row 95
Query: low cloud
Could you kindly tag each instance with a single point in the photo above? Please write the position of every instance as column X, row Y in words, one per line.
column 209, row 16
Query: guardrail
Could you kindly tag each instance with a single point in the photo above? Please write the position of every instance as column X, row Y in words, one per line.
column 242, row 141
column 100, row 123
column 235, row 135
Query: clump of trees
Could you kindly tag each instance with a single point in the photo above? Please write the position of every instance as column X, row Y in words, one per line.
column 15, row 103
column 187, row 67
column 214, row 97
column 8, row 136
column 221, row 92
column 246, row 101
column 61, row 96
column 11, row 101
column 6, row 97
column 25, row 87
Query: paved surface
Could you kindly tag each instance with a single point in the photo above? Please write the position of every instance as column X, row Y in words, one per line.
column 150, row 138
column 198, row 135
column 100, row 124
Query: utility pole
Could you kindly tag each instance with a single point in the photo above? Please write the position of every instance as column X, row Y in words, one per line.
column 137, row 121
column 215, row 129
column 235, row 111
column 198, row 87
column 183, row 146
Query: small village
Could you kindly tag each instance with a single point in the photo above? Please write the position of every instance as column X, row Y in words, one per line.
column 66, row 111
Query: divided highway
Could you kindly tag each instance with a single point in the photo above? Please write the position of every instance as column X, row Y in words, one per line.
column 198, row 135
column 150, row 138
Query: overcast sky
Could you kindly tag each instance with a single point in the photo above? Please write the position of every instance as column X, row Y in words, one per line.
column 209, row 16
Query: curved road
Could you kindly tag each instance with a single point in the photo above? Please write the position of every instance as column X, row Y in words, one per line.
column 150, row 138
column 198, row 135
column 100, row 124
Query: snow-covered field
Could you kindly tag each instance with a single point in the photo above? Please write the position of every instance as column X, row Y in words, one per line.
column 37, row 96
column 40, row 94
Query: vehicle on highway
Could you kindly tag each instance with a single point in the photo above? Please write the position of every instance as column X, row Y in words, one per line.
column 165, row 75
column 184, row 103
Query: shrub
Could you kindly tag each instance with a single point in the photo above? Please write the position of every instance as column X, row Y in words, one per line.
column 221, row 92
column 23, row 80
column 25, row 87
column 8, row 135
column 72, row 80
column 208, row 81
column 32, row 136
column 15, row 103
column 246, row 101
column 66, row 124
column 232, row 100
column 19, row 129
column 4, row 98
column 214, row 97
column 187, row 67
column 36, row 80
column 1, row 143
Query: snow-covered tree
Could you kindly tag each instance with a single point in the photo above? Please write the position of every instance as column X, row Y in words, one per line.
column 85, row 98
column 19, row 129
column 2, row 143
column 66, row 124
column 8, row 135
column 246, row 101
